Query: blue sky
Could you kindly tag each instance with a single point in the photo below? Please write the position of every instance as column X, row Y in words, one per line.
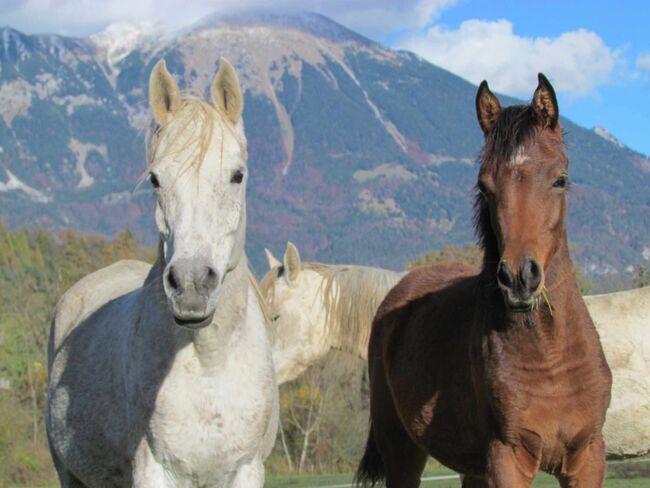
column 622, row 103
column 596, row 53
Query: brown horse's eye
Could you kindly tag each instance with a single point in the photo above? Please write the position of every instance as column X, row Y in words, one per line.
column 561, row 182
column 154, row 181
column 237, row 177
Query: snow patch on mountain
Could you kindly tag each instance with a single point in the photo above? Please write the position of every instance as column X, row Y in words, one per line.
column 13, row 45
column 16, row 96
column 81, row 150
column 119, row 39
column 15, row 100
column 605, row 134
column 13, row 183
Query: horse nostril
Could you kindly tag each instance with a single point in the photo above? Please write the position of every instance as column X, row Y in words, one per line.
column 504, row 275
column 210, row 279
column 172, row 279
column 531, row 273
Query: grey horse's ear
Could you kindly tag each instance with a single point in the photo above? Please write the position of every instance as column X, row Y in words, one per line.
column 488, row 107
column 292, row 264
column 272, row 260
column 545, row 102
column 226, row 92
column 164, row 95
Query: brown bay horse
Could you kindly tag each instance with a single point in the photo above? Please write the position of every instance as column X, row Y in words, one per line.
column 497, row 373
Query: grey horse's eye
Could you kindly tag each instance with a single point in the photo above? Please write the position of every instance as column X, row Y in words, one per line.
column 154, row 180
column 237, row 177
column 275, row 317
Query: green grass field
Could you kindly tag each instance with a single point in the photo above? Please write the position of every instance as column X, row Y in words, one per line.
column 621, row 474
column 543, row 480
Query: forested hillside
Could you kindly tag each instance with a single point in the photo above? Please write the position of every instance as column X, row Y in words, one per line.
column 36, row 267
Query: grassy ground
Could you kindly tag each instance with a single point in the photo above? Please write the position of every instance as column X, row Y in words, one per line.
column 615, row 479
column 543, row 480
column 316, row 481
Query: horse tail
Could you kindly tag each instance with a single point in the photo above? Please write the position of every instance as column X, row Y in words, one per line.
column 371, row 468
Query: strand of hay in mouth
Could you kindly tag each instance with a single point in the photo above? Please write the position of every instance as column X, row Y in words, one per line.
column 547, row 300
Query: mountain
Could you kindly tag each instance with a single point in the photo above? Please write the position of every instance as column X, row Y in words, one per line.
column 358, row 153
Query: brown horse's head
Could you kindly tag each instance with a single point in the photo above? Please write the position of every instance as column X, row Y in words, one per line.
column 522, row 180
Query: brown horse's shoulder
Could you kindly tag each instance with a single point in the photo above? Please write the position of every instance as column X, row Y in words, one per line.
column 423, row 281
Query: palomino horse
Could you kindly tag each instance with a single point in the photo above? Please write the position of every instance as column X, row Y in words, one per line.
column 317, row 307
column 500, row 374
column 172, row 384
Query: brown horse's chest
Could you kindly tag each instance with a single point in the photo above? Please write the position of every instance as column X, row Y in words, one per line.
column 552, row 403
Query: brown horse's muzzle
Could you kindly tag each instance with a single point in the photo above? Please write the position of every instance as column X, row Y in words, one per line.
column 521, row 289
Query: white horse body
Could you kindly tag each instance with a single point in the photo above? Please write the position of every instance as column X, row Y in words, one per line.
column 318, row 307
column 623, row 322
column 172, row 383
column 191, row 414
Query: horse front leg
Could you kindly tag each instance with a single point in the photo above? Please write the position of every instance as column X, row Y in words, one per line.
column 510, row 466
column 147, row 472
column 584, row 468
column 250, row 475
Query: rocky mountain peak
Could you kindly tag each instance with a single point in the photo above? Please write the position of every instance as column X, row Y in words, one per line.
column 309, row 22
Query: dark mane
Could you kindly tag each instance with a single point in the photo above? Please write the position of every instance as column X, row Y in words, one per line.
column 516, row 127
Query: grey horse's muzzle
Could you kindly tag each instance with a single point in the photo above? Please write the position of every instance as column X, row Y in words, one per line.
column 189, row 285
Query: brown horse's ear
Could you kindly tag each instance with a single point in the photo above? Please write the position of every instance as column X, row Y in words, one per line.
column 164, row 95
column 272, row 260
column 545, row 102
column 488, row 107
column 226, row 92
column 292, row 263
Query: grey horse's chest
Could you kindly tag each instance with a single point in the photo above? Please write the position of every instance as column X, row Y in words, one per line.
column 203, row 425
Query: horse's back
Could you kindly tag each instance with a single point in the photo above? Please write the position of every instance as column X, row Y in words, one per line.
column 89, row 294
column 429, row 309
column 87, row 415
column 421, row 284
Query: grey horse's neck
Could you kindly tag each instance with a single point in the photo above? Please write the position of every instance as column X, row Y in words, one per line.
column 211, row 342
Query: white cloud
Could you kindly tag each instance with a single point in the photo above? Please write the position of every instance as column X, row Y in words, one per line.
column 643, row 62
column 82, row 17
column 378, row 17
column 575, row 62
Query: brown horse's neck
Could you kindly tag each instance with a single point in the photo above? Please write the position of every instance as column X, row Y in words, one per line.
column 563, row 308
